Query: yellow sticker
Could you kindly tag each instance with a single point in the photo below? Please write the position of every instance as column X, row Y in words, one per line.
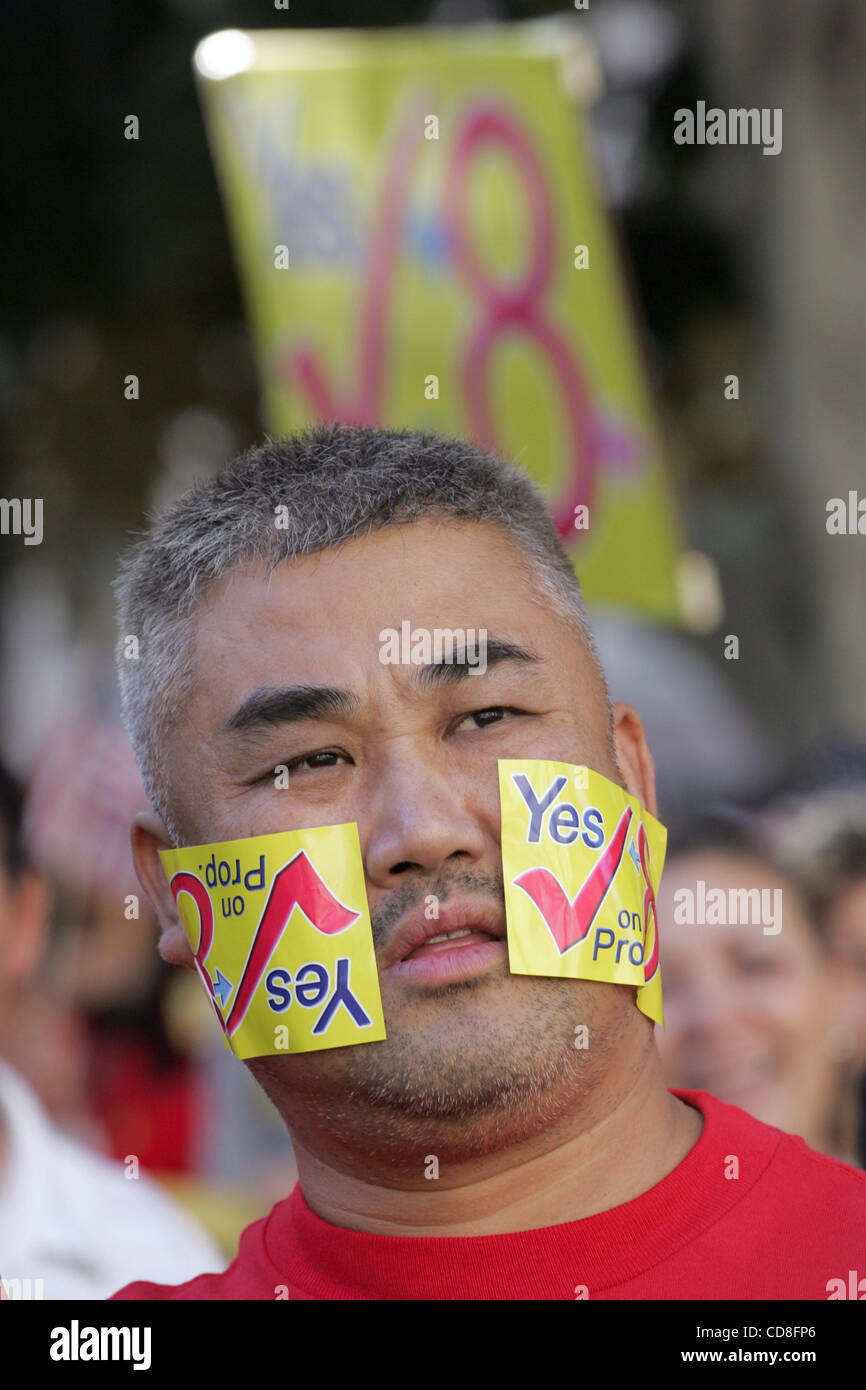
column 581, row 862
column 280, row 930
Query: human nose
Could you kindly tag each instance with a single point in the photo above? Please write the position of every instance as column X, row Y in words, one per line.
column 419, row 817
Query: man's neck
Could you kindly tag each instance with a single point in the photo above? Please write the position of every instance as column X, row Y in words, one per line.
column 574, row 1169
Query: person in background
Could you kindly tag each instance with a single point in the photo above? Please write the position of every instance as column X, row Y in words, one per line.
column 816, row 826
column 128, row 1058
column 72, row 1223
column 838, row 889
column 136, row 1090
column 750, row 1009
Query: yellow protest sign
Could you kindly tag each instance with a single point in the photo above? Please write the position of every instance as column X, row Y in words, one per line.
column 581, row 861
column 280, row 930
column 422, row 243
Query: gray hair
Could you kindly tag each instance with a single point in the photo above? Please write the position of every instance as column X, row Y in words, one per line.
column 335, row 482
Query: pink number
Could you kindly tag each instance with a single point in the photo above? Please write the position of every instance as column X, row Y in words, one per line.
column 516, row 306
column 188, row 883
column 649, row 906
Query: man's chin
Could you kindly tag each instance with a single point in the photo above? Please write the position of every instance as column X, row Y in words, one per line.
column 459, row 1076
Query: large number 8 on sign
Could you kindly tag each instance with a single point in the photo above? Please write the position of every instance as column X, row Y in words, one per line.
column 517, row 305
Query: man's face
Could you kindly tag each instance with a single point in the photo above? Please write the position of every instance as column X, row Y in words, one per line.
column 410, row 755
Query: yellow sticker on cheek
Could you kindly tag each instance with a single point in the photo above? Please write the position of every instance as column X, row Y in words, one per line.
column 581, row 861
column 280, row 929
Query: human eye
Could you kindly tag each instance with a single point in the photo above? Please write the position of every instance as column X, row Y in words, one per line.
column 483, row 718
column 306, row 762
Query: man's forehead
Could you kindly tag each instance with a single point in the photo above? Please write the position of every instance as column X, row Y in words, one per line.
column 318, row 620
column 450, row 574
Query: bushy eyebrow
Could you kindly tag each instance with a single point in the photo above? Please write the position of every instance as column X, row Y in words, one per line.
column 498, row 650
column 294, row 704
column 291, row 704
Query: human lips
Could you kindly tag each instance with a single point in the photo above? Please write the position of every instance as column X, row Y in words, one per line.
column 462, row 940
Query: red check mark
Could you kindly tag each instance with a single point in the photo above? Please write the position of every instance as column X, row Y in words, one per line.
column 297, row 884
column 569, row 922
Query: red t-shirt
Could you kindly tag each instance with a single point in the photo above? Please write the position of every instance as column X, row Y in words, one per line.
column 787, row 1224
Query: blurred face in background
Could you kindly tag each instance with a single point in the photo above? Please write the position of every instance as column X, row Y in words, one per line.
column 746, row 1012
column 99, row 961
column 24, row 906
column 845, row 927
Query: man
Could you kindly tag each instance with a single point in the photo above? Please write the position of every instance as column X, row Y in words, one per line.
column 72, row 1223
column 257, row 603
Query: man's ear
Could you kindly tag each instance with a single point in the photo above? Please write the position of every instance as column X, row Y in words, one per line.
column 634, row 759
column 148, row 836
